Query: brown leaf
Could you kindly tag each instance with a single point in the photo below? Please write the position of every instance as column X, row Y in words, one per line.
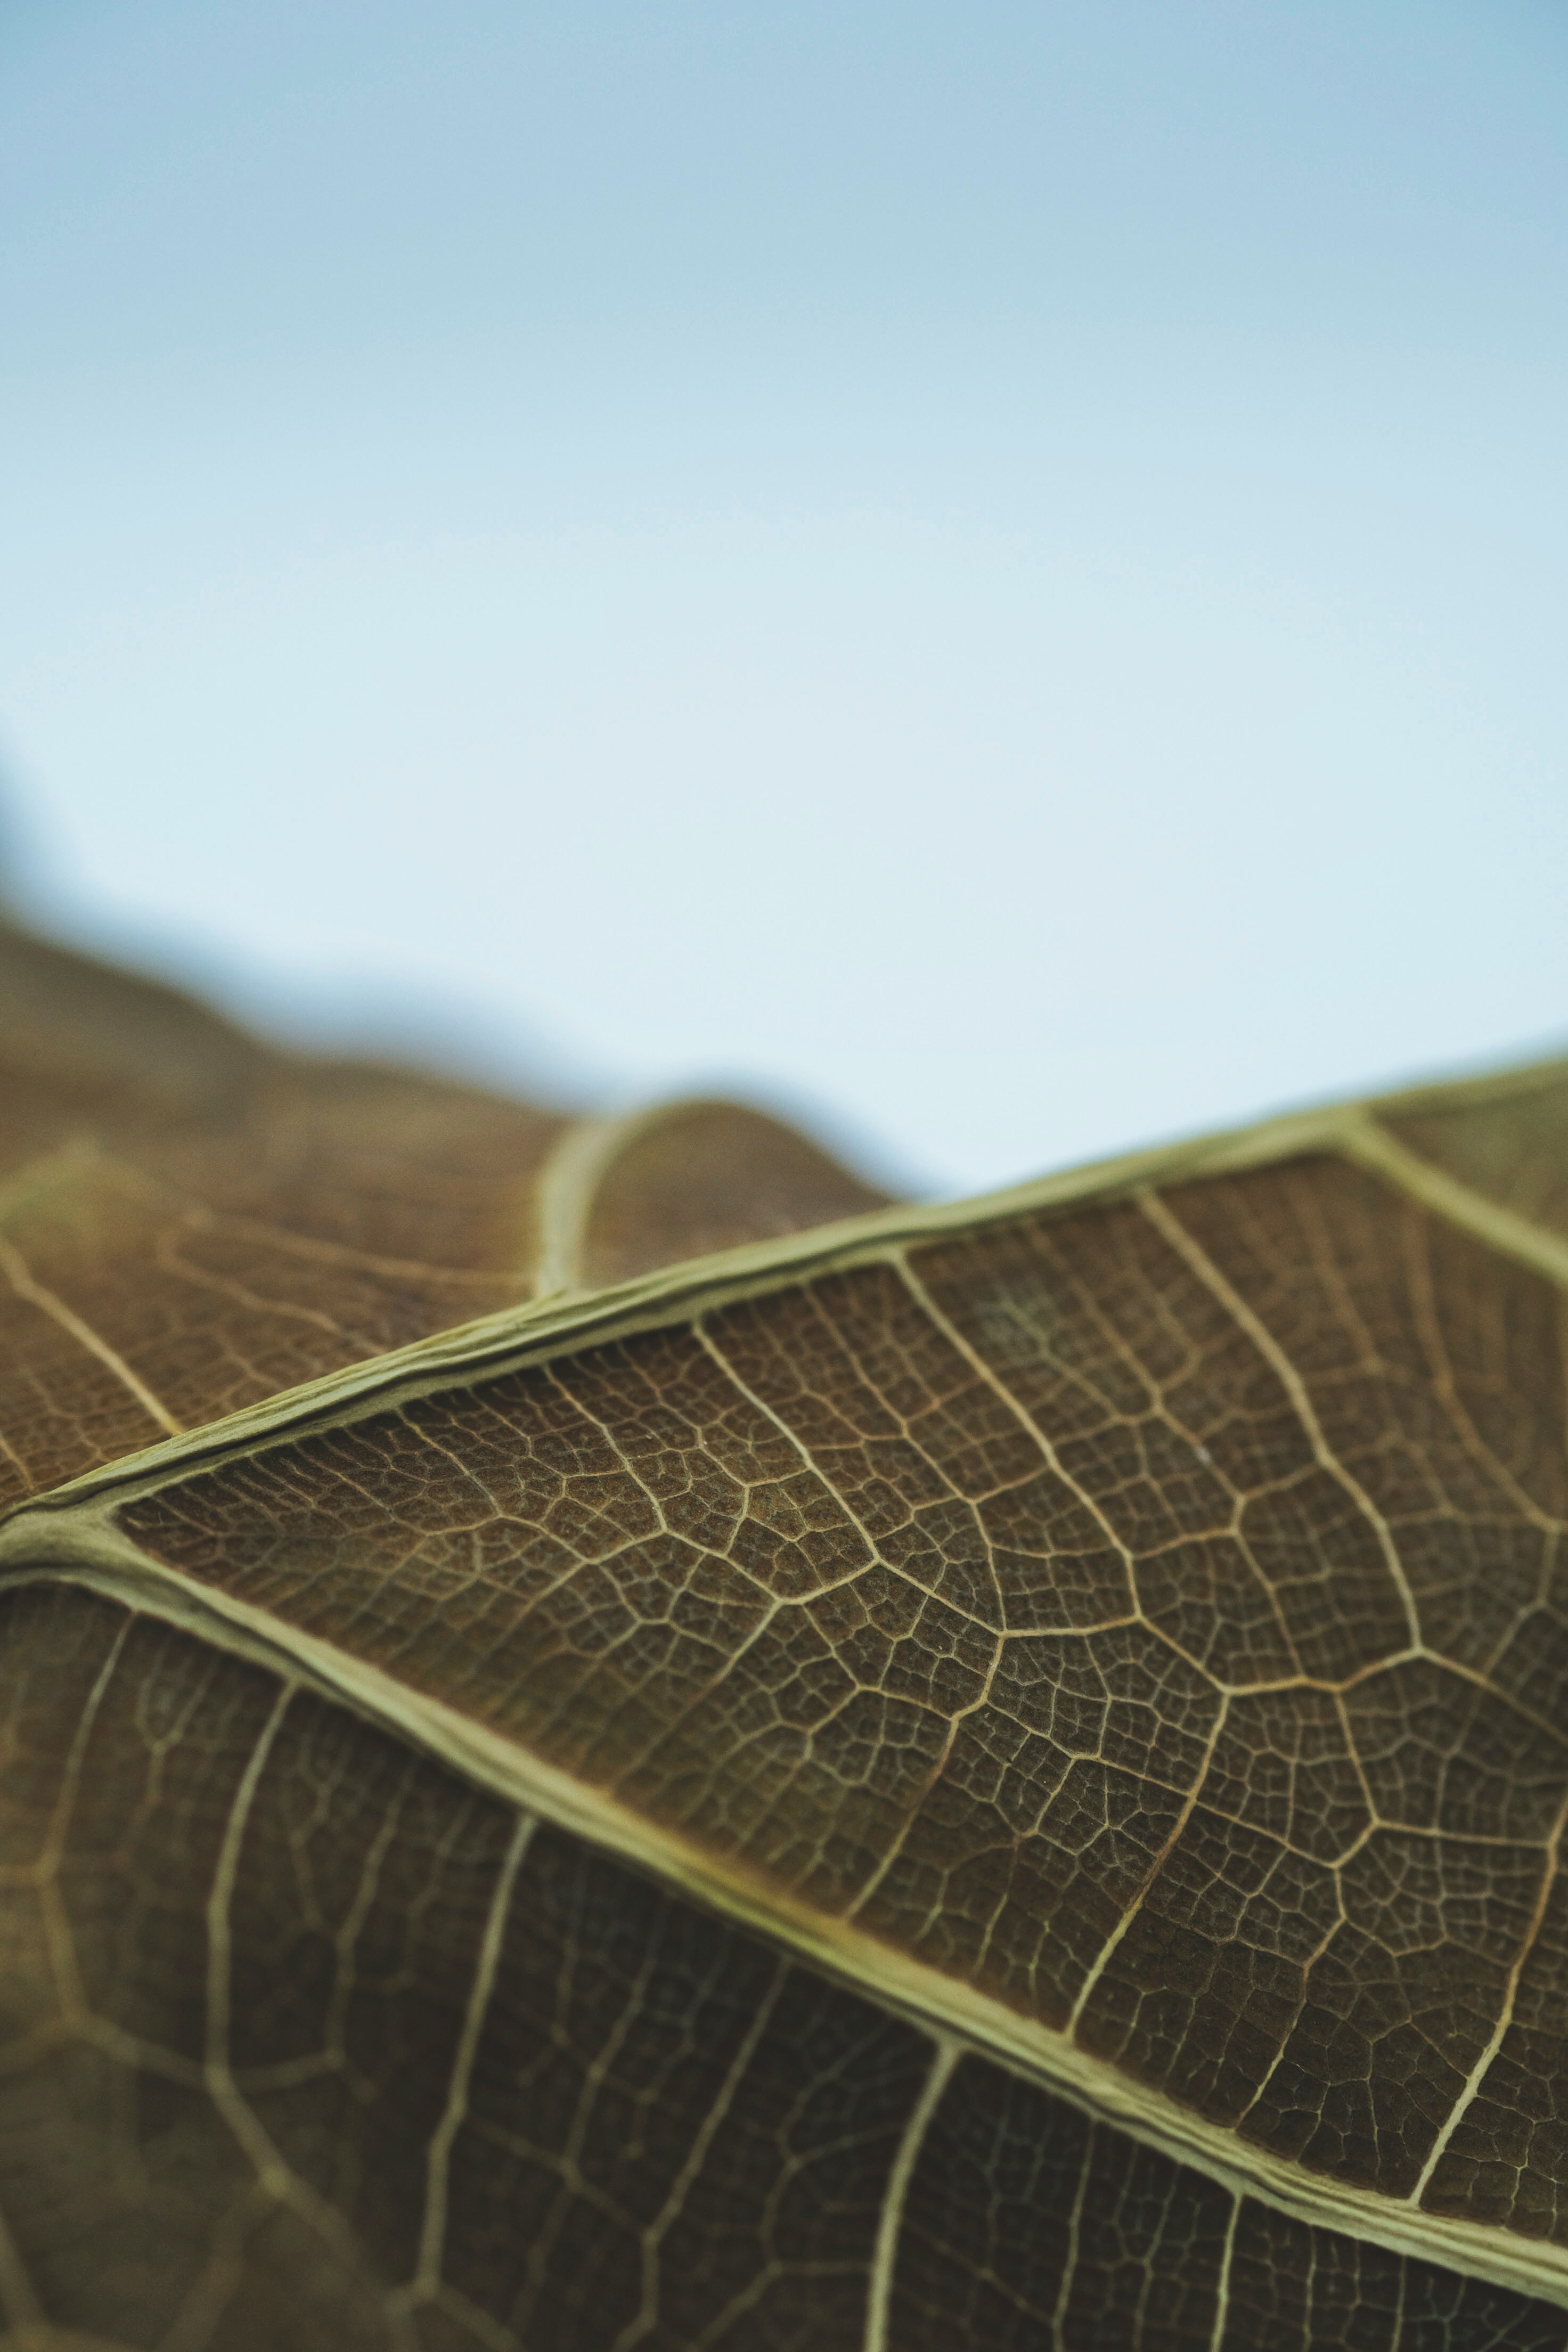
column 192, row 1223
column 599, row 1758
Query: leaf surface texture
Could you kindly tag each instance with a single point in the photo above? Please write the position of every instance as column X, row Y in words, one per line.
column 612, row 1742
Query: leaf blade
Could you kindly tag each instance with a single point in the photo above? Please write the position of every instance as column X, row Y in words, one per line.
column 1108, row 1633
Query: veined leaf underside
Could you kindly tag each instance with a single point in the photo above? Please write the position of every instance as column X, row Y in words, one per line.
column 610, row 1742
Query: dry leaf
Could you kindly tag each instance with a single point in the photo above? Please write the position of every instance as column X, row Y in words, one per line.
column 610, row 1743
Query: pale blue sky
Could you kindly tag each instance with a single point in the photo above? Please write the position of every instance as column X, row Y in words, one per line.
column 997, row 574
